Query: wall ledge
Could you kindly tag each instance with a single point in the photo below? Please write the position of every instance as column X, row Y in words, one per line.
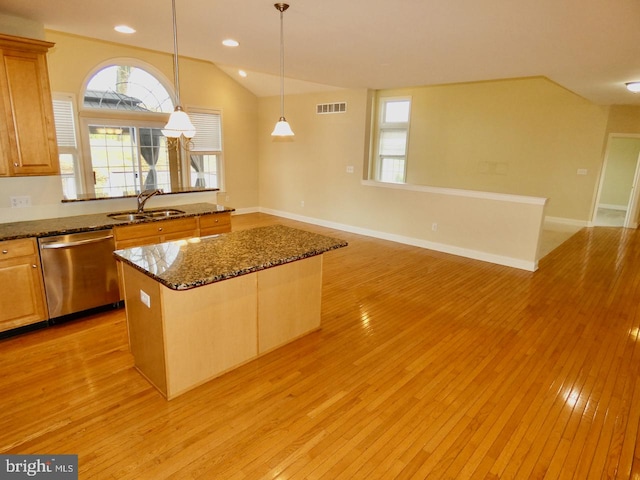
column 503, row 197
column 416, row 242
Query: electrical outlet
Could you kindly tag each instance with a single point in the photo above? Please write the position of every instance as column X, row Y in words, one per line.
column 302, row 203
column 226, row 198
column 434, row 227
column 349, row 168
column 145, row 298
column 582, row 171
column 21, row 201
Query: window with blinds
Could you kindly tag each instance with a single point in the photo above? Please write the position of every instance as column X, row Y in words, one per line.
column 67, row 135
column 205, row 150
column 393, row 139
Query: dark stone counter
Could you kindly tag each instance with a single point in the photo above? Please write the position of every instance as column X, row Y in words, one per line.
column 184, row 264
column 96, row 221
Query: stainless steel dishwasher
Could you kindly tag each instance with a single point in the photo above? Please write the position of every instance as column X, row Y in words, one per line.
column 79, row 271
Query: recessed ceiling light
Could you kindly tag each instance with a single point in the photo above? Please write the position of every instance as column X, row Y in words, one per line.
column 229, row 42
column 633, row 86
column 124, row 29
column 242, row 73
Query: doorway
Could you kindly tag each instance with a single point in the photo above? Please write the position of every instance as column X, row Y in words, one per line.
column 617, row 195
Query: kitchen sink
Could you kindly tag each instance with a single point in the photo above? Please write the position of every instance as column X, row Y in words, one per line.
column 127, row 216
column 163, row 213
column 131, row 216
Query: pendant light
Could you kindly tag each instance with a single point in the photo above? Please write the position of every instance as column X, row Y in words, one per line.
column 179, row 123
column 282, row 128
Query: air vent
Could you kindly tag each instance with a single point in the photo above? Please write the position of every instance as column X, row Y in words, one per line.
column 340, row 107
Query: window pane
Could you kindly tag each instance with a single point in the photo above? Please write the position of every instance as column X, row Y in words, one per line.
column 396, row 111
column 122, row 87
column 204, row 170
column 155, row 159
column 393, row 142
column 67, row 174
column 392, row 170
column 114, row 159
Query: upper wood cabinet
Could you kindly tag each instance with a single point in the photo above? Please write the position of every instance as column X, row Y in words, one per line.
column 27, row 130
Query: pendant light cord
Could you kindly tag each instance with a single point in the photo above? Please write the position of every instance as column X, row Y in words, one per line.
column 281, row 62
column 175, row 54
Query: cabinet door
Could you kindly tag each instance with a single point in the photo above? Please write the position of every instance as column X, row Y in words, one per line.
column 29, row 112
column 22, row 300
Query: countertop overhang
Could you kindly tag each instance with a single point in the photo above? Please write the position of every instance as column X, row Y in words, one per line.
column 95, row 221
column 185, row 264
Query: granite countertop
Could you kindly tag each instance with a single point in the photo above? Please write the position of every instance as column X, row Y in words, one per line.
column 95, row 221
column 185, row 264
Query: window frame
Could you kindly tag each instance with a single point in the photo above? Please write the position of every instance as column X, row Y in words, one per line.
column 186, row 164
column 383, row 126
column 75, row 152
column 110, row 120
column 84, row 115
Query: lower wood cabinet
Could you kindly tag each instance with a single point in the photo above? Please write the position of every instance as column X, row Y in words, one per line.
column 22, row 301
column 214, row 224
column 155, row 232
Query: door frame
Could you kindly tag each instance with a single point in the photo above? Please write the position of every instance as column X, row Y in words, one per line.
column 634, row 196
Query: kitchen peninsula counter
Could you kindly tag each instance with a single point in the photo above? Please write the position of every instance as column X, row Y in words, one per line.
column 200, row 307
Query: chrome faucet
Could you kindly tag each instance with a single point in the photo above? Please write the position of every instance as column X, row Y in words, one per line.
column 146, row 195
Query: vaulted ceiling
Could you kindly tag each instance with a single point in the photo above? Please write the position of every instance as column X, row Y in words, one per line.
column 591, row 47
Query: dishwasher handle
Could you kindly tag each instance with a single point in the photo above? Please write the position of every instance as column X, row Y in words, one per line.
column 76, row 243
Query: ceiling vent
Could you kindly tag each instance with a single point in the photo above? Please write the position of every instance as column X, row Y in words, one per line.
column 340, row 107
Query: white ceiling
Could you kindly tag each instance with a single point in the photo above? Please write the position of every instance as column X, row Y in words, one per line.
column 591, row 47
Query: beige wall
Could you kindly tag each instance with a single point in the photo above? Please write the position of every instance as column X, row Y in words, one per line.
column 522, row 136
column 202, row 84
column 306, row 178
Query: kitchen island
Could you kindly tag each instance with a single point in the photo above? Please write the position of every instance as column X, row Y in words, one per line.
column 197, row 308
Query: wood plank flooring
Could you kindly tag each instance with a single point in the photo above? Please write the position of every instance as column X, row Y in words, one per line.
column 427, row 366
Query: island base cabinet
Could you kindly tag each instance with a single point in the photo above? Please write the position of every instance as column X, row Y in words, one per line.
column 183, row 338
column 289, row 298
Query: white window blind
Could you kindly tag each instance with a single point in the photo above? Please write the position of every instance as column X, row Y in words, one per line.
column 65, row 124
column 393, row 142
column 208, row 132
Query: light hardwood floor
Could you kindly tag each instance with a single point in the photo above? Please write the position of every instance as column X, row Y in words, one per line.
column 427, row 366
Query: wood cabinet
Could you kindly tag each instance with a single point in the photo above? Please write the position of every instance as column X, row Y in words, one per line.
column 155, row 232
column 215, row 223
column 22, row 299
column 27, row 128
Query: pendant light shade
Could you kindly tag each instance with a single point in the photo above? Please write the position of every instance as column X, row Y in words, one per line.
column 282, row 128
column 179, row 123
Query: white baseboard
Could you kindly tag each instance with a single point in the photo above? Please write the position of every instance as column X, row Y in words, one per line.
column 566, row 221
column 242, row 211
column 416, row 242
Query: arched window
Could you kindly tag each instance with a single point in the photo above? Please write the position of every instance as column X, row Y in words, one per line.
column 124, row 109
column 123, row 87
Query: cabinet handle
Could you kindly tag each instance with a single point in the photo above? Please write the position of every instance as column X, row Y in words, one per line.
column 34, row 266
column 159, row 229
column 216, row 220
column 15, row 164
column 4, row 252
